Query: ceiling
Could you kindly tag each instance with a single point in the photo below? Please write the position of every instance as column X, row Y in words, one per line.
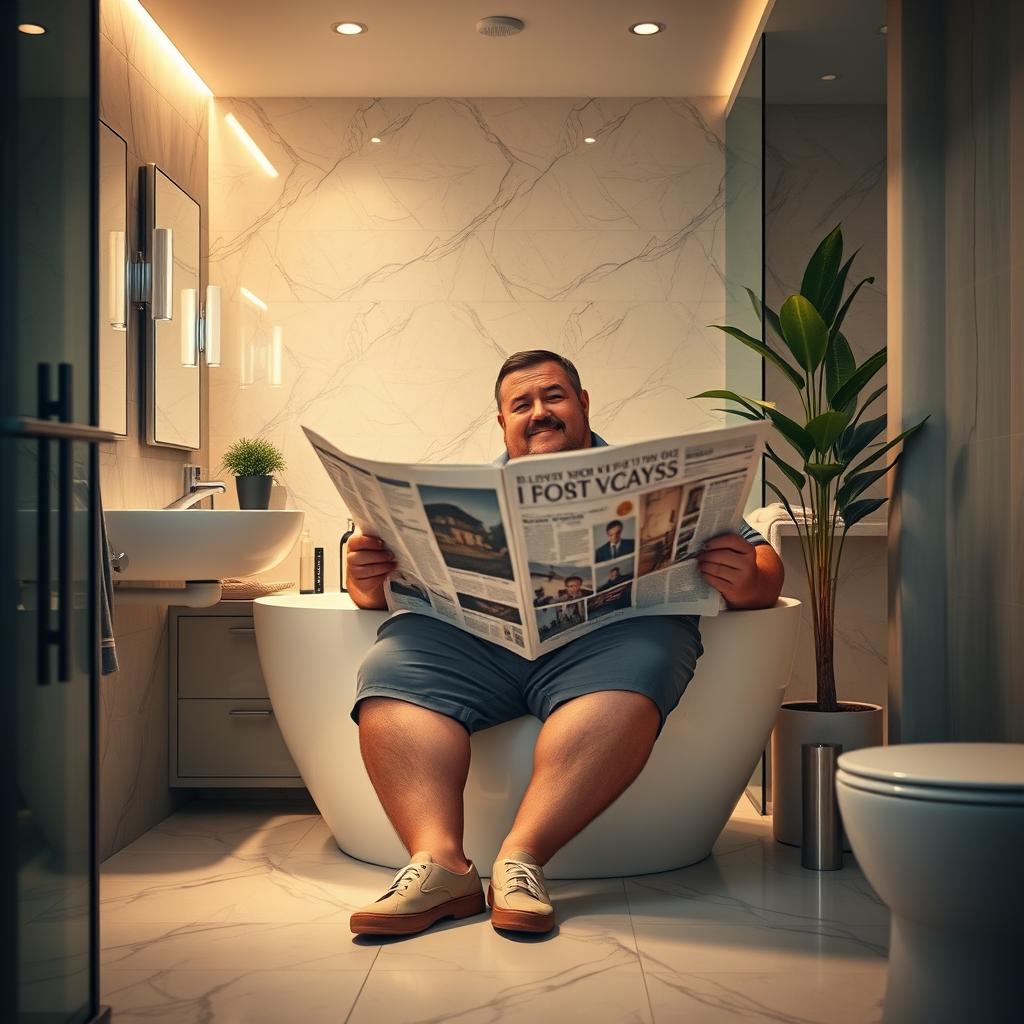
column 432, row 48
column 809, row 38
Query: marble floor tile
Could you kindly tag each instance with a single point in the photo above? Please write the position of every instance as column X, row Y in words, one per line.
column 788, row 998
column 758, row 885
column 217, row 945
column 687, row 949
column 595, row 993
column 249, row 996
column 218, row 830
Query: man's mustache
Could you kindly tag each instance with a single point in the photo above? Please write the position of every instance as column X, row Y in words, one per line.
column 549, row 423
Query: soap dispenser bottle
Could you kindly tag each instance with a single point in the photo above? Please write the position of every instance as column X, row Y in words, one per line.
column 305, row 564
column 342, row 567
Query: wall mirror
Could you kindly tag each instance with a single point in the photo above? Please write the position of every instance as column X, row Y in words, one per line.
column 112, row 261
column 171, row 234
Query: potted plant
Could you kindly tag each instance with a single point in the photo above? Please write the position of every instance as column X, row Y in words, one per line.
column 253, row 461
column 838, row 456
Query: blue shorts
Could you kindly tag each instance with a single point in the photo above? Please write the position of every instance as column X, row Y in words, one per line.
column 428, row 662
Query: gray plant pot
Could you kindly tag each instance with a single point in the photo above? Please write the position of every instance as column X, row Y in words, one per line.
column 254, row 491
column 796, row 725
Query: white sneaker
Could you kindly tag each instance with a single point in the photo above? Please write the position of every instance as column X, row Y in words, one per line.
column 518, row 895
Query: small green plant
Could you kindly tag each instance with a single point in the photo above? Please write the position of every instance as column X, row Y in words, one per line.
column 834, row 445
column 253, row 457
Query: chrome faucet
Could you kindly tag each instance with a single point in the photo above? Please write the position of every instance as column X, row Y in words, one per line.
column 196, row 490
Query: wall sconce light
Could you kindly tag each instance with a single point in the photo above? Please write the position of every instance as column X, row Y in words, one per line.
column 276, row 356
column 209, row 326
column 153, row 282
column 189, row 328
column 117, row 277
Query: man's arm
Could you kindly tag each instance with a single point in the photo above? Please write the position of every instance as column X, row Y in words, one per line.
column 747, row 576
column 369, row 565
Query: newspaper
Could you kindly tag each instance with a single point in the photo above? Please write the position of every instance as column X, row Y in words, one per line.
column 534, row 554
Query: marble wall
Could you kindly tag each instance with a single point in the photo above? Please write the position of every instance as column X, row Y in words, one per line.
column 825, row 164
column 957, row 186
column 163, row 119
column 398, row 275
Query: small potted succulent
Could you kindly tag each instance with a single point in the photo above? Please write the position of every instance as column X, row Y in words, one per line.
column 253, row 462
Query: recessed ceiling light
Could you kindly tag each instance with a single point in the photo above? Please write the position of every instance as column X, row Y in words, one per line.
column 498, row 25
column 646, row 28
column 829, row 78
column 349, row 28
column 376, row 138
column 32, row 30
column 590, row 140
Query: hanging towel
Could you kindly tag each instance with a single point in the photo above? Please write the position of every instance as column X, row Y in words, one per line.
column 108, row 646
column 768, row 521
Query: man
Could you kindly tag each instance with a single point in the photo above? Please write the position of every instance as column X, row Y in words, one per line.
column 616, row 546
column 603, row 698
column 574, row 588
column 614, row 579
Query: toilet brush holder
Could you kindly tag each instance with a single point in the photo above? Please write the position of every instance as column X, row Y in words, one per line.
column 822, row 842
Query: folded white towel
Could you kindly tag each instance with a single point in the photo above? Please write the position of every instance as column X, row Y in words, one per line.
column 769, row 519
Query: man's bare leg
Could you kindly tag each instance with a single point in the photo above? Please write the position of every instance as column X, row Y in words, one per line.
column 587, row 754
column 418, row 761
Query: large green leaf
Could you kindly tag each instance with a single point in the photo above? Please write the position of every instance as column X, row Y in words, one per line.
column 841, row 315
column 870, row 399
column 854, row 485
column 824, row 429
column 822, row 268
column 771, row 318
column 857, row 380
column 839, row 364
column 804, row 331
column 764, row 351
column 793, row 433
column 748, row 403
column 740, row 412
column 830, row 302
column 794, row 475
column 857, row 510
column 824, row 472
column 855, row 439
column 784, row 500
column 875, row 456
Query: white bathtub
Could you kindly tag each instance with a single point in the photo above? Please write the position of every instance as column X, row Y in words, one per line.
column 310, row 648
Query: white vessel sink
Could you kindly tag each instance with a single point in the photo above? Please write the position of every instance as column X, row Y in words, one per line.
column 199, row 544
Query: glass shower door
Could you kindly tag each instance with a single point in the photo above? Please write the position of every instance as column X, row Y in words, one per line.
column 48, row 516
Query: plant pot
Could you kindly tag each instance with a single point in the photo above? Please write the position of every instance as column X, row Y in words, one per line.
column 254, row 491
column 797, row 724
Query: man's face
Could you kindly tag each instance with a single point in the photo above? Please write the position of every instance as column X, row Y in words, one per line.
column 573, row 586
column 613, row 575
column 541, row 413
column 614, row 533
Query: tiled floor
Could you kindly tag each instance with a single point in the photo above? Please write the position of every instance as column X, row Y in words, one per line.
column 240, row 915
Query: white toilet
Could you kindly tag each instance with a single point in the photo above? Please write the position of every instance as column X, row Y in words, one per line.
column 938, row 829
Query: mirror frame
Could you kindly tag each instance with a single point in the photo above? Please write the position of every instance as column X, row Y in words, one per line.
column 147, row 193
column 101, row 306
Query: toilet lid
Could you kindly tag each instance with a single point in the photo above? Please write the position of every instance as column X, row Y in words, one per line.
column 950, row 766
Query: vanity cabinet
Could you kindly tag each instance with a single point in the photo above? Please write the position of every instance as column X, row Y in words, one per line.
column 222, row 727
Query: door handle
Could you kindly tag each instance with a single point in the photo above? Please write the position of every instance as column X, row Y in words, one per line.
column 250, row 712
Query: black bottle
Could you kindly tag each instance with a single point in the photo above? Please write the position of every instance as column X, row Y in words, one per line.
column 342, row 570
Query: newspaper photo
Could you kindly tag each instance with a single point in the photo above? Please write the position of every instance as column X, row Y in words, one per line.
column 535, row 553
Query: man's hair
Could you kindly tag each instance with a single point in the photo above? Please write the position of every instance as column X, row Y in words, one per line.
column 533, row 357
column 613, row 569
column 569, row 579
column 614, row 522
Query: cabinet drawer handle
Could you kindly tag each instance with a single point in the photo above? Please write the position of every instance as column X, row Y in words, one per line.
column 250, row 711
column 242, row 629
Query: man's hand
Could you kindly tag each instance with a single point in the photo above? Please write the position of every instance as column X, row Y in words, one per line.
column 745, row 575
column 369, row 564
